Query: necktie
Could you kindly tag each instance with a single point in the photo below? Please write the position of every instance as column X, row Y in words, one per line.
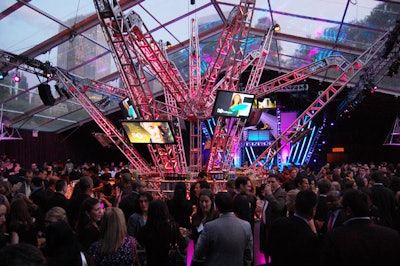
column 330, row 222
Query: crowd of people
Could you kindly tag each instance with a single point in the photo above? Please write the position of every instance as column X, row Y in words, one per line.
column 68, row 214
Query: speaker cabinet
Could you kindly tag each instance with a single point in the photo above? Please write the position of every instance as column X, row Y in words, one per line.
column 45, row 94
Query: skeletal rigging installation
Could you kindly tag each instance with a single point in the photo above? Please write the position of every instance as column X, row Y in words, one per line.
column 136, row 54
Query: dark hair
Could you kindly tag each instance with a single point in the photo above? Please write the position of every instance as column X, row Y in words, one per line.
column 179, row 193
column 202, row 174
column 37, row 181
column 93, row 169
column 198, row 216
column 324, row 185
column 241, row 180
column 357, row 201
column 83, row 219
column 158, row 214
column 306, row 201
column 21, row 254
column 224, row 202
column 60, row 185
column 136, row 184
column 378, row 176
column 59, row 235
column 19, row 213
column 274, row 176
column 230, row 183
column 204, row 184
column 148, row 196
column 349, row 184
column 85, row 182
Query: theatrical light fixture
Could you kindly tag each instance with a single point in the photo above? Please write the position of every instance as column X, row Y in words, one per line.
column 277, row 27
column 3, row 75
column 48, row 74
column 47, row 70
column 16, row 78
column 168, row 44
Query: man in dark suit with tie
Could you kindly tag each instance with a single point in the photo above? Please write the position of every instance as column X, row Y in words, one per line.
column 359, row 241
column 293, row 240
column 336, row 215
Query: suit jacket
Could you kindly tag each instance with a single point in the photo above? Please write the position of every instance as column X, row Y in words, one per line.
column 59, row 200
column 227, row 240
column 275, row 209
column 321, row 214
column 292, row 242
column 40, row 198
column 384, row 209
column 340, row 218
column 361, row 242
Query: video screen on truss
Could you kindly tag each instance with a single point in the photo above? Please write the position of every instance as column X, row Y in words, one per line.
column 128, row 109
column 232, row 104
column 155, row 131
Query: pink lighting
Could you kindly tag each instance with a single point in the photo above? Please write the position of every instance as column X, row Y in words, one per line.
column 16, row 78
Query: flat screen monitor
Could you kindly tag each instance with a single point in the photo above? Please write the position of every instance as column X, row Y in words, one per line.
column 232, row 104
column 155, row 131
column 128, row 110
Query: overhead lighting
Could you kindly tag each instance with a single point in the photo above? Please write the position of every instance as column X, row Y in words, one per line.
column 47, row 70
column 168, row 44
column 16, row 78
column 277, row 28
column 3, row 75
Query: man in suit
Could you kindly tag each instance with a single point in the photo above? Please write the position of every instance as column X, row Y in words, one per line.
column 321, row 214
column 336, row 214
column 274, row 207
column 227, row 240
column 58, row 198
column 384, row 207
column 244, row 203
column 38, row 194
column 293, row 240
column 359, row 241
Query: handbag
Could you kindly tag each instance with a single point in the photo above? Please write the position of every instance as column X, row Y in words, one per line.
column 175, row 257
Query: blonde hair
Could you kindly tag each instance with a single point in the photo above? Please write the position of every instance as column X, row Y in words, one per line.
column 112, row 231
column 58, row 213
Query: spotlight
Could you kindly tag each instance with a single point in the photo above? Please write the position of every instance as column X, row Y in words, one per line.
column 192, row 2
column 168, row 44
column 277, row 27
column 152, row 43
column 48, row 74
column 16, row 78
column 3, row 75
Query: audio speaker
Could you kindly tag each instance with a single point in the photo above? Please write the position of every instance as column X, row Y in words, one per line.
column 45, row 94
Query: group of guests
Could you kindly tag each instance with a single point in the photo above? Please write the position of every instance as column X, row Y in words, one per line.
column 304, row 218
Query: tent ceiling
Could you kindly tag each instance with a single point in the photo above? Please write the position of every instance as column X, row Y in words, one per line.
column 66, row 33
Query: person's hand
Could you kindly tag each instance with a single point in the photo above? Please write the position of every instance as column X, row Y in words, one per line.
column 16, row 187
column 268, row 190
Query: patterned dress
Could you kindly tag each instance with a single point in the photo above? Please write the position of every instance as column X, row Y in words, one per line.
column 123, row 257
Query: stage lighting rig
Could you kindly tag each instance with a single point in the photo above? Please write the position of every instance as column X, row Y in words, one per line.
column 3, row 74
